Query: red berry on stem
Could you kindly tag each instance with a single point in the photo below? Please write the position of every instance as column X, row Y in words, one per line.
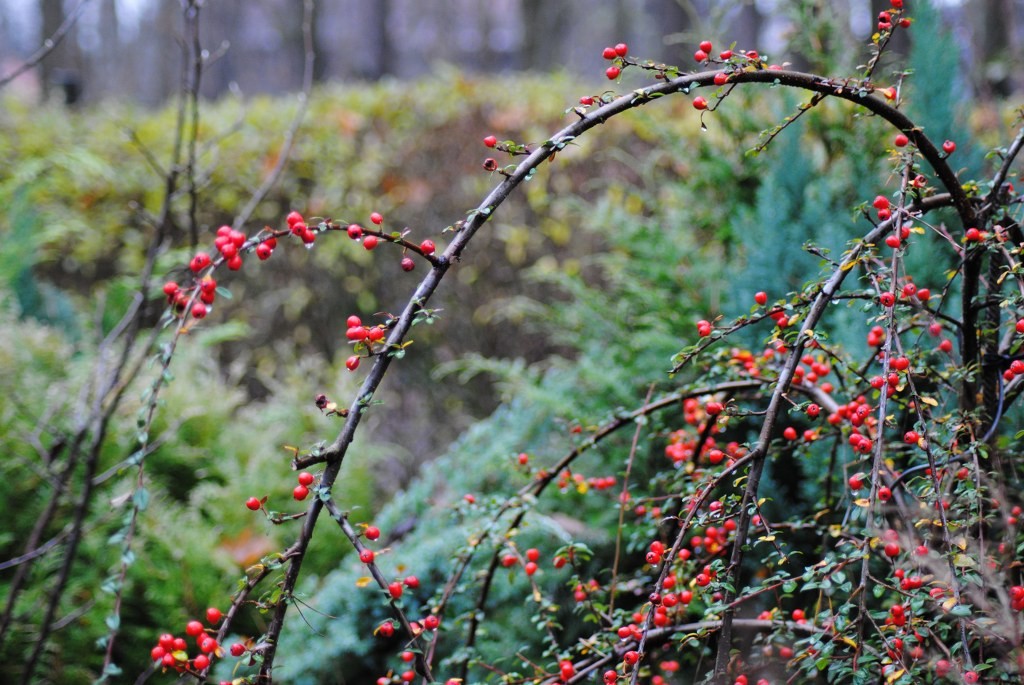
column 194, row 628
column 705, row 45
column 370, row 242
column 306, row 478
column 199, row 262
column 300, row 492
column 198, row 310
column 377, row 218
column 700, row 103
column 408, row 264
column 352, row 363
column 355, row 231
column 621, row 49
column 700, row 56
column 761, row 297
column 901, row 140
column 372, row 532
column 201, row 662
column 490, row 141
column 949, row 147
column 612, row 72
column 366, row 556
column 253, row 503
column 263, row 251
column 721, row 78
column 428, row 247
column 609, row 53
column 213, row 615
column 293, row 218
column 237, row 649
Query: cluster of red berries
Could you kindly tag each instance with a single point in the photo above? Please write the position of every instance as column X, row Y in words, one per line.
column 582, row 483
column 297, row 226
column 365, row 338
column 615, row 53
column 171, row 652
column 887, row 17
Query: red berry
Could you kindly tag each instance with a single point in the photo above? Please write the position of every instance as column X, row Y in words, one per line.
column 533, row 554
column 306, row 478
column 566, row 669
column 208, row 645
column 761, row 297
column 530, row 567
column 263, row 251
column 721, row 78
column 631, row 657
column 428, row 247
column 199, row 262
column 355, row 231
column 237, row 649
column 353, row 321
column 366, row 556
column 412, row 582
column 293, row 218
column 586, row 100
column 971, row 677
column 725, row 54
column 372, row 532
column 194, row 628
column 856, row 481
column 700, row 102
column 789, row 433
column 213, row 615
column 612, row 72
column 300, row 492
column 198, row 310
column 949, row 147
column 377, row 218
column 813, row 410
column 901, row 140
column 201, row 662
column 375, row 334
column 911, row 437
column 408, row 264
column 880, row 202
column 887, row 299
column 431, row 622
column 356, row 333
column 621, row 49
column 352, row 363
column 157, row 653
column 229, row 250
column 885, row 494
column 700, row 56
column 395, row 589
column 705, row 45
column 171, row 288
column 370, row 242
column 490, row 141
column 253, row 504
column 235, row 263
column 609, row 53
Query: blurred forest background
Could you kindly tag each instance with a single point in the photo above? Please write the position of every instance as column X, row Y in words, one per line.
column 125, row 48
column 548, row 323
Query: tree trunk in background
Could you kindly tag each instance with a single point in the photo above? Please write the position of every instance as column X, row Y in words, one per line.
column 997, row 54
column 543, row 22
column 59, row 72
column 383, row 51
column 105, row 73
